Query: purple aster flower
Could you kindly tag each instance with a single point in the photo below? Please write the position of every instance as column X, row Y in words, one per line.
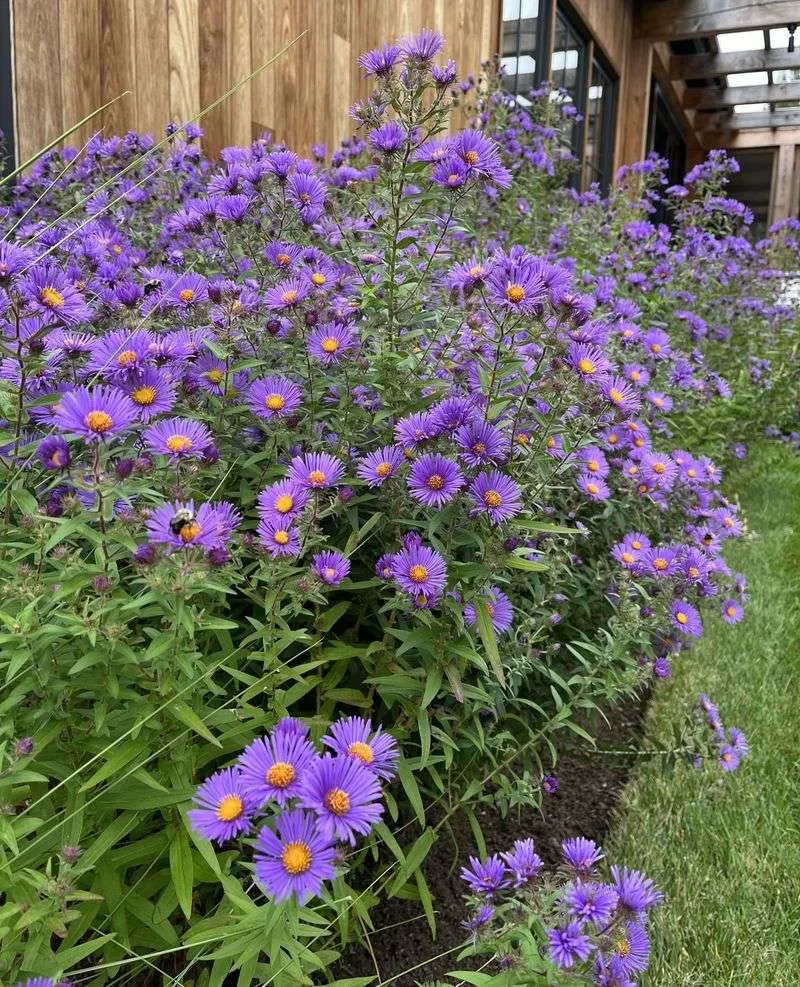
column 273, row 767
column 330, row 342
column 353, row 736
column 330, row 567
column 434, row 480
column 282, row 502
column 523, row 862
column 590, row 902
column 480, row 155
column 501, row 610
column 120, row 354
column 481, row 918
column 178, row 438
column 731, row 612
column 450, row 173
column 151, row 391
column 225, row 807
column 593, row 486
column 451, row 414
column 307, row 194
column 628, row 952
column 287, row 294
column 377, row 467
column 594, row 461
column 659, row 470
column 486, row 878
column 345, row 795
column 422, row 47
column 380, row 61
column 274, row 397
column 686, row 618
column 588, row 361
column 656, row 342
column 621, row 394
column 95, row 414
column 316, row 471
column 581, row 854
column 49, row 291
column 662, row 668
column 568, row 945
column 518, row 286
column 278, row 537
column 729, row 757
column 180, row 526
column 415, row 429
column 480, row 443
column 637, row 893
column 36, row 982
column 54, row 453
column 739, row 741
column 659, row 562
column 550, row 784
column 295, row 860
column 389, row 137
column 419, row 571
column 444, row 75
column 496, row 494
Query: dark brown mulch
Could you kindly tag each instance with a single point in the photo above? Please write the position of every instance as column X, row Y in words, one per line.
column 590, row 788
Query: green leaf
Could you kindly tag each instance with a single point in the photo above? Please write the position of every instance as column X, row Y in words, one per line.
column 427, row 902
column 411, row 789
column 489, row 639
column 424, row 727
column 181, row 868
column 518, row 562
column 119, row 757
column 328, row 618
column 414, row 858
column 432, row 685
column 187, row 716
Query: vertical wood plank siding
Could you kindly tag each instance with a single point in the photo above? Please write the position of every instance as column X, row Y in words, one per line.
column 176, row 56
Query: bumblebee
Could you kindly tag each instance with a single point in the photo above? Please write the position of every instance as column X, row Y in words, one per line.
column 181, row 518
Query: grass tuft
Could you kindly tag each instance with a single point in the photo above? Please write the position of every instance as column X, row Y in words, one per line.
column 726, row 849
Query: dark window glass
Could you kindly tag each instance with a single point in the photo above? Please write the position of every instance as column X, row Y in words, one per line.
column 568, row 73
column 666, row 139
column 524, row 51
column 600, row 126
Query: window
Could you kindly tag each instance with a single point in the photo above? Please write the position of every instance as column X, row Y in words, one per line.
column 600, row 117
column 568, row 72
column 664, row 136
column 525, row 45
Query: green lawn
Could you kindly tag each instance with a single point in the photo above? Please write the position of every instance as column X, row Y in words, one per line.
column 726, row 849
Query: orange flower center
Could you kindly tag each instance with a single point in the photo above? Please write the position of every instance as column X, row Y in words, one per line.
column 289, row 296
column 661, row 564
column 179, row 443
column 694, row 572
column 126, row 358
column 383, row 469
column 492, row 498
column 187, row 295
column 692, row 472
column 362, row 751
column 296, row 858
column 316, row 478
column 592, row 488
column 622, row 946
column 318, row 278
column 479, row 448
column 98, row 421
column 730, row 611
column 329, row 344
column 586, row 366
column 144, row 395
column 418, row 573
column 190, row 531
column 471, row 157
column 655, row 348
column 214, row 376
column 283, row 259
column 274, row 402
column 230, row 808
column 284, row 503
column 515, row 293
column 281, row 537
column 435, row 482
column 476, row 272
column 51, row 298
column 592, row 465
column 659, row 468
column 281, row 774
column 337, row 801
column 627, row 558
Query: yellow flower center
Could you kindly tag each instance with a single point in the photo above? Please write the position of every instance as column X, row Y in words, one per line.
column 187, row 295
column 655, row 348
column 284, row 503
column 190, row 531
column 214, row 376
column 117, row 249
column 659, row 468
column 296, row 858
column 622, row 946
column 681, row 618
column 329, row 345
column 318, row 278
column 283, row 259
column 586, row 366
column 281, row 537
column 613, row 439
column 316, row 478
column 592, row 488
column 98, row 421
column 642, row 488
column 51, row 298
column 476, row 272
column 337, row 801
column 281, row 774
column 289, row 296
column 126, row 358
column 692, row 472
column 636, row 544
column 383, row 469
column 492, row 498
column 661, row 564
column 479, row 448
column 694, row 572
column 435, row 482
column 144, row 395
column 728, row 522
column 521, row 439
column 627, row 558
column 230, row 808
column 730, row 611
column 179, row 443
column 471, row 157
column 515, row 293
column 635, row 375
column 274, row 402
column 417, row 573
column 616, row 395
column 453, row 179
column 592, row 465
column 57, row 458
column 362, row 751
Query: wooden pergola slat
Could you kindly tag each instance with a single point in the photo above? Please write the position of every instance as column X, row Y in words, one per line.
column 673, row 20
column 707, row 66
column 721, row 99
column 750, row 121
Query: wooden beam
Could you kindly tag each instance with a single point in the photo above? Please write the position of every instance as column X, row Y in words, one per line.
column 783, row 181
column 707, row 66
column 740, row 140
column 751, row 121
column 634, row 108
column 672, row 20
column 721, row 99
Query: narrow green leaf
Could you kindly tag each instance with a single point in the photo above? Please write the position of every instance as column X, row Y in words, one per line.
column 411, row 789
column 187, row 716
column 181, row 868
column 489, row 639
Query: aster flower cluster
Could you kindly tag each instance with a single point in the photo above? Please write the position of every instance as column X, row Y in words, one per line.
column 594, row 926
column 303, row 801
column 726, row 746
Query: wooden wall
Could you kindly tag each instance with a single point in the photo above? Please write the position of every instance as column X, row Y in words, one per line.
column 610, row 22
column 176, row 56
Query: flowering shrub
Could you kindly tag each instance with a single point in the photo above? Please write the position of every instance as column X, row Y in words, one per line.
column 382, row 443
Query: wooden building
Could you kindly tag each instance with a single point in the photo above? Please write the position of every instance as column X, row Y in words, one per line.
column 675, row 76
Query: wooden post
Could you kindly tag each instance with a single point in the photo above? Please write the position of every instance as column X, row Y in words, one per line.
column 783, row 183
column 634, row 106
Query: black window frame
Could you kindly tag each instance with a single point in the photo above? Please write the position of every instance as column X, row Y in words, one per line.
column 575, row 27
column 660, row 113
column 606, row 124
column 6, row 88
column 541, row 54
